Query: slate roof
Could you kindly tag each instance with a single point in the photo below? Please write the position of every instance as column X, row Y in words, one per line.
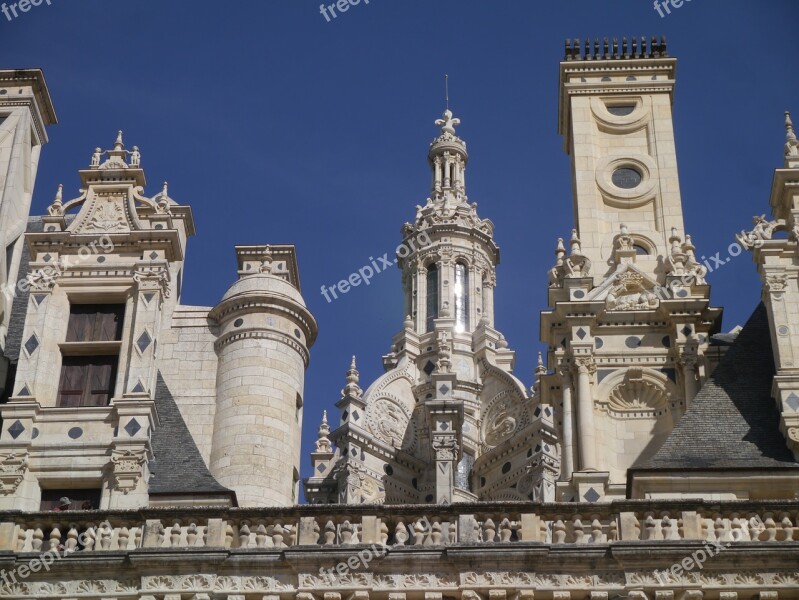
column 19, row 308
column 178, row 467
column 732, row 423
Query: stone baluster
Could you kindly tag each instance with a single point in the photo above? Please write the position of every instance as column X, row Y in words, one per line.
column 89, row 539
column 383, row 533
column 244, row 535
column 771, row 528
column 579, row 529
column 420, row 528
column 38, row 538
column 667, row 526
column 559, row 531
column 650, row 527
column 596, row 530
column 489, row 530
column 436, row 535
column 400, row 534
column 55, row 537
column 787, row 528
column 505, row 530
column 613, row 531
column 124, row 537
column 330, row 533
column 22, row 539
column 174, row 535
column 260, row 536
column 346, row 532
column 279, row 535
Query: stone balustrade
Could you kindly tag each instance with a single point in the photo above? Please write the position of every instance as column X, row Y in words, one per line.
column 392, row 526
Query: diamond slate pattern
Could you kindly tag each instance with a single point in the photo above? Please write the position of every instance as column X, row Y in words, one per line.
column 16, row 429
column 591, row 495
column 429, row 367
column 31, row 344
column 133, row 427
column 144, row 341
column 178, row 467
column 793, row 401
column 737, row 395
column 444, row 389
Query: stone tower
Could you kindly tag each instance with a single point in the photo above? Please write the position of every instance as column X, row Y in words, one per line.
column 630, row 320
column 774, row 246
column 25, row 111
column 265, row 332
column 448, row 421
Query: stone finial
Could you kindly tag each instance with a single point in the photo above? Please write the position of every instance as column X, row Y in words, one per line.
column 119, row 145
column 448, row 122
column 323, row 441
column 353, row 377
column 689, row 248
column 266, row 261
column 162, row 199
column 560, row 251
column 540, row 369
column 408, row 323
column 576, row 247
column 791, row 143
column 56, row 209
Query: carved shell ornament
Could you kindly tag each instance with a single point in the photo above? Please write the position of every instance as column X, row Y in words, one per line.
column 637, row 395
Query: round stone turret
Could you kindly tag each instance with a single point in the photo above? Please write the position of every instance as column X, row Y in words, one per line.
column 265, row 332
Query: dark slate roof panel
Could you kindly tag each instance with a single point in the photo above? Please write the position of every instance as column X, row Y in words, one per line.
column 19, row 308
column 178, row 467
column 733, row 422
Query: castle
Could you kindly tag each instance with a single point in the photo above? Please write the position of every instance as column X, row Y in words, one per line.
column 151, row 449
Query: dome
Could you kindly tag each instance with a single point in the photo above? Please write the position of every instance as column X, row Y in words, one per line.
column 264, row 284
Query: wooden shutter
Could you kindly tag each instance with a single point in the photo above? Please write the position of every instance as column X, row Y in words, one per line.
column 95, row 322
column 87, row 380
column 73, row 378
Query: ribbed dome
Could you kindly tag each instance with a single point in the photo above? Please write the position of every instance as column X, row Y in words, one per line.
column 263, row 283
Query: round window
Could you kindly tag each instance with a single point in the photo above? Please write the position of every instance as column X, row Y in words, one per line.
column 626, row 178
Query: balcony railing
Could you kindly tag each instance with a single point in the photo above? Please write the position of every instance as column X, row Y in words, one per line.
column 393, row 526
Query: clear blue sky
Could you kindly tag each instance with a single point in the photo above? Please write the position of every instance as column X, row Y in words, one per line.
column 279, row 127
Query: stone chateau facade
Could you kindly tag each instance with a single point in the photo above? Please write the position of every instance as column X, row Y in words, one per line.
column 150, row 450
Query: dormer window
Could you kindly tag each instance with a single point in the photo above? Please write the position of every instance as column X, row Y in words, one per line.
column 90, row 356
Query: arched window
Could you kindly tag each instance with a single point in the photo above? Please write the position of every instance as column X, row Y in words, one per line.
column 461, row 297
column 432, row 295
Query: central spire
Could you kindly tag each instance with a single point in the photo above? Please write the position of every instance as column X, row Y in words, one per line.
column 448, row 158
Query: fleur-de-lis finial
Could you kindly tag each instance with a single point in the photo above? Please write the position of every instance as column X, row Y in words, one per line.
column 448, row 122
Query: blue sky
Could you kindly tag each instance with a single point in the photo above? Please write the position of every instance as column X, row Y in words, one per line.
column 277, row 126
